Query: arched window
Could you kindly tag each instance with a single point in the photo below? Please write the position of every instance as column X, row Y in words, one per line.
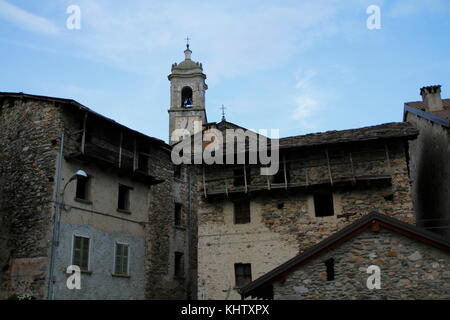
column 186, row 97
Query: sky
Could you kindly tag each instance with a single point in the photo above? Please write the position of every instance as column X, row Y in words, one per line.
column 299, row 66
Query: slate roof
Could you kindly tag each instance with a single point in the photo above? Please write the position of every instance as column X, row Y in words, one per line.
column 382, row 131
column 75, row 104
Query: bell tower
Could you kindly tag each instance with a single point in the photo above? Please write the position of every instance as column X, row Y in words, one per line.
column 187, row 96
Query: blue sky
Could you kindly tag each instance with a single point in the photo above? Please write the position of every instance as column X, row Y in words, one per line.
column 300, row 66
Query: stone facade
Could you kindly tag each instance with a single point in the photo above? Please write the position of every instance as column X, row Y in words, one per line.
column 409, row 270
column 430, row 173
column 283, row 220
column 29, row 142
column 110, row 154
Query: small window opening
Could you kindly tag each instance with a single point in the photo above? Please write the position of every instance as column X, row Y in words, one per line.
column 242, row 212
column 179, row 265
column 323, row 203
column 123, row 202
column 82, row 188
column 243, row 274
column 178, row 218
column 186, row 97
column 330, row 269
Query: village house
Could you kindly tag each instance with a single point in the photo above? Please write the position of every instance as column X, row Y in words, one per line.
column 81, row 189
column 410, row 263
column 429, row 159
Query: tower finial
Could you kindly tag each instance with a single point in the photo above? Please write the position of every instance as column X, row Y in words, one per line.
column 223, row 112
column 187, row 52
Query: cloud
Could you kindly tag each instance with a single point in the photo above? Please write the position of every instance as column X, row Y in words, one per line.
column 309, row 100
column 406, row 8
column 230, row 38
column 26, row 20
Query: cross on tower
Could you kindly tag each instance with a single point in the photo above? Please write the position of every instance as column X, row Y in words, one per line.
column 187, row 41
column 223, row 112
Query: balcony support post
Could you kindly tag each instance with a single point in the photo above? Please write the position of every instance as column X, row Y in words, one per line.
column 120, row 149
column 329, row 167
column 83, row 137
column 285, row 173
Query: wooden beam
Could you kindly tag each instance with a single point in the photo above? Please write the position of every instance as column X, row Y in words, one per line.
column 134, row 154
column 306, row 176
column 285, row 174
column 120, row 149
column 83, row 137
column 353, row 168
column 329, row 167
column 226, row 186
column 387, row 158
column 268, row 182
column 245, row 179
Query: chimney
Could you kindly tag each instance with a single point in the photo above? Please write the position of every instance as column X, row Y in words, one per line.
column 431, row 97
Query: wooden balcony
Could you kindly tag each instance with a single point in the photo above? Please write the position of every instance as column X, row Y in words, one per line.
column 127, row 162
column 295, row 174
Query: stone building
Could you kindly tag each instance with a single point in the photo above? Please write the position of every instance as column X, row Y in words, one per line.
column 248, row 223
column 81, row 189
column 429, row 157
column 376, row 257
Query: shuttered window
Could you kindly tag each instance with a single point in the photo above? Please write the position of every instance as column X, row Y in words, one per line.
column 121, row 264
column 81, row 252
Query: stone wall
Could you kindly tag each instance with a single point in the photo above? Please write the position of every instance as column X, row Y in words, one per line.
column 283, row 222
column 430, row 174
column 164, row 239
column 29, row 143
column 409, row 270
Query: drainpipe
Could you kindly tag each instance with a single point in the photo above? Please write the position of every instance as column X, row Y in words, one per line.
column 55, row 233
column 189, row 234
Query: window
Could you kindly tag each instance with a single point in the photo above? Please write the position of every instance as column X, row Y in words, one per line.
column 81, row 252
column 121, row 261
column 330, row 269
column 123, row 202
column 238, row 176
column 82, row 188
column 279, row 176
column 242, row 212
column 323, row 203
column 186, row 97
column 143, row 163
column 177, row 217
column 179, row 265
column 243, row 274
